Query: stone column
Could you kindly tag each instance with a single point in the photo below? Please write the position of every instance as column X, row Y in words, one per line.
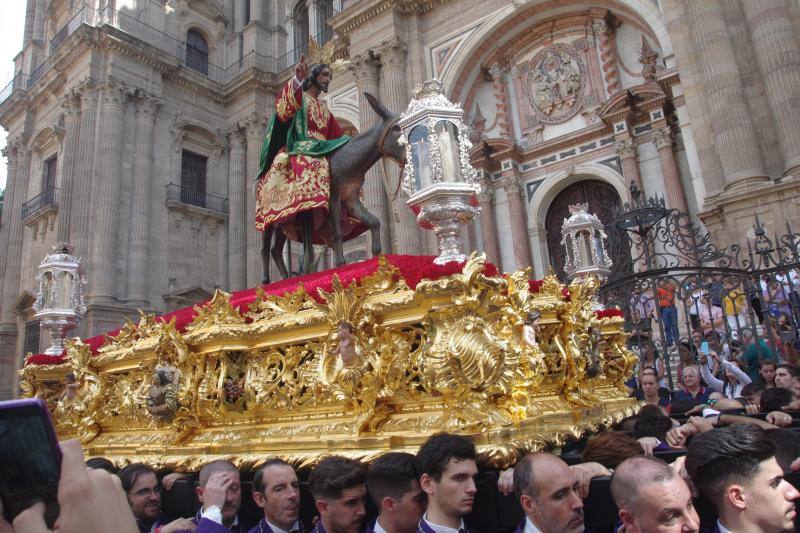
column 606, row 36
column 519, row 222
column 393, row 96
column 626, row 150
column 501, row 100
column 139, row 271
column 488, row 225
column 257, row 11
column 105, row 198
column 365, row 71
column 777, row 52
column 38, row 21
column 289, row 24
column 29, row 16
column 19, row 168
column 314, row 22
column 80, row 216
column 673, row 188
column 255, row 126
column 239, row 14
column 69, row 195
column 725, row 100
column 238, row 190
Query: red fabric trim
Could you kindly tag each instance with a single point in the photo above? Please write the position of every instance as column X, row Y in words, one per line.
column 413, row 269
column 608, row 313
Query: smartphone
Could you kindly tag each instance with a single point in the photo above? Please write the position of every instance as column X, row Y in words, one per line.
column 30, row 458
column 704, row 348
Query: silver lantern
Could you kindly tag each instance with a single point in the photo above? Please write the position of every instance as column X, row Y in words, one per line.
column 60, row 304
column 583, row 237
column 441, row 184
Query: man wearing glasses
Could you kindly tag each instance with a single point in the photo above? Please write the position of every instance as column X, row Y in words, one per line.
column 143, row 491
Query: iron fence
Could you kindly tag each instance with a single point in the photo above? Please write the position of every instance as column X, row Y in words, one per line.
column 688, row 301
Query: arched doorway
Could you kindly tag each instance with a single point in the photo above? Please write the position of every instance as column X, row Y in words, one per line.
column 602, row 199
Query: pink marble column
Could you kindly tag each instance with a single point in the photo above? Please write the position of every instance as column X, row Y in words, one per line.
column 501, row 100
column 608, row 54
column 675, row 195
column 488, row 225
column 626, row 149
column 519, row 222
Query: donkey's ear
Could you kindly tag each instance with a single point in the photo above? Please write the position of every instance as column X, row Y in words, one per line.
column 378, row 107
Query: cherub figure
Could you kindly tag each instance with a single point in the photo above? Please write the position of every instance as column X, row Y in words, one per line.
column 71, row 387
column 346, row 345
column 530, row 327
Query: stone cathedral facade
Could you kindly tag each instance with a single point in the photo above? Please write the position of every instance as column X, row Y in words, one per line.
column 135, row 128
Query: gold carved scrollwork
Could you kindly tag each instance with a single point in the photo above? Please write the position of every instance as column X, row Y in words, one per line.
column 79, row 405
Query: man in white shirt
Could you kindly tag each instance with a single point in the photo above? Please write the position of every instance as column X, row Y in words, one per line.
column 652, row 497
column 734, row 468
column 550, row 495
column 393, row 484
column 447, row 468
column 276, row 490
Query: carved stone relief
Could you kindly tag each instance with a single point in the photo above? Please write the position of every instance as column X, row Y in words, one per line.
column 556, row 81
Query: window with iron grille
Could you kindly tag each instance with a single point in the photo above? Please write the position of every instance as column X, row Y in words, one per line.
column 49, row 174
column 31, row 342
column 193, row 178
column 196, row 52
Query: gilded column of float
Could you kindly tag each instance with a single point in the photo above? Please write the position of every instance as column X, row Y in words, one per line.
column 777, row 52
column 79, row 223
column 365, row 71
column 675, row 195
column 519, row 222
column 67, row 199
column 728, row 112
column 238, row 188
column 393, row 95
column 138, row 273
column 103, row 257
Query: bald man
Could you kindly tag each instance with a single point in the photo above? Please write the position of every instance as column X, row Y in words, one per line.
column 651, row 497
column 550, row 495
column 219, row 490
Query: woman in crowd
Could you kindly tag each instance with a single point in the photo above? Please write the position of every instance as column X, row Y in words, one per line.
column 652, row 359
column 651, row 392
column 735, row 379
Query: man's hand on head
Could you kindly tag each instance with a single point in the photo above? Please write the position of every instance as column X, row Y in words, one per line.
column 216, row 488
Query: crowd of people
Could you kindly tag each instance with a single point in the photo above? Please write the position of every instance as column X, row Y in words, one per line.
column 733, row 461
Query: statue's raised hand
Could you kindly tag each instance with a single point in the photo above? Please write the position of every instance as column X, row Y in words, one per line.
column 301, row 69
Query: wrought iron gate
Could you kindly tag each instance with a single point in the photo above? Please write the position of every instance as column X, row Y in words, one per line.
column 681, row 290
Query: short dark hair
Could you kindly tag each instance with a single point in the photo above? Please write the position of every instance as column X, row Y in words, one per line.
column 439, row 449
column 315, row 71
column 652, row 426
column 791, row 369
column 335, row 474
column 101, row 463
column 726, row 455
column 258, row 478
column 775, row 398
column 787, row 446
column 753, row 388
column 132, row 472
column 391, row 475
column 762, row 362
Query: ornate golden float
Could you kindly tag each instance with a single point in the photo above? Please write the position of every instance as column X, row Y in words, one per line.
column 358, row 370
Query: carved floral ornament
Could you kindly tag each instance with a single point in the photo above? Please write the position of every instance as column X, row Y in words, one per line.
column 364, row 368
column 556, row 83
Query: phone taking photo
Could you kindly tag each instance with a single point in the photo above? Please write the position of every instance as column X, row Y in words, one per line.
column 704, row 348
column 30, row 458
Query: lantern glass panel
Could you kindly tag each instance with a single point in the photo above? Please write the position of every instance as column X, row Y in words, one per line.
column 584, row 248
column 63, row 290
column 419, row 142
column 447, row 137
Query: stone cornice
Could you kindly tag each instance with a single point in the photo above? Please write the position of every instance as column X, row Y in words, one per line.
column 365, row 10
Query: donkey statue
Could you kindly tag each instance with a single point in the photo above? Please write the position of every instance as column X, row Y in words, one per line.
column 348, row 165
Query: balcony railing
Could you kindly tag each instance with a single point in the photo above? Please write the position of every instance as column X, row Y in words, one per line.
column 185, row 195
column 48, row 198
column 162, row 41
